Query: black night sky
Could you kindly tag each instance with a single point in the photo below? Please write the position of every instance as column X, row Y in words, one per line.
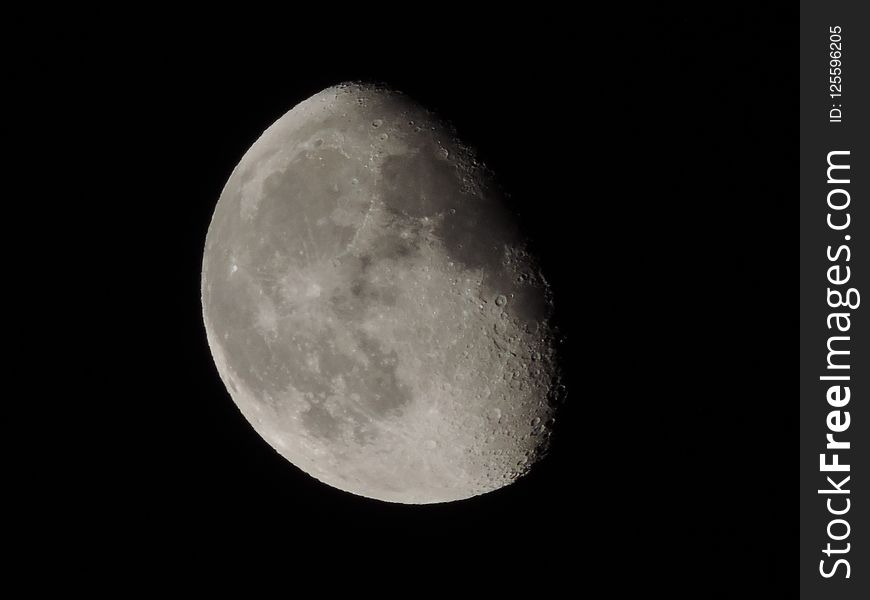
column 652, row 163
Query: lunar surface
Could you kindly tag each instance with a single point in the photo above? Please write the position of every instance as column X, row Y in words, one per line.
column 372, row 306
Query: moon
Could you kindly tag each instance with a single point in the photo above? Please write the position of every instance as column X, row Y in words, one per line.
column 373, row 307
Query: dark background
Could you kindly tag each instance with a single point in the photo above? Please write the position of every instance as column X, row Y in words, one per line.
column 652, row 161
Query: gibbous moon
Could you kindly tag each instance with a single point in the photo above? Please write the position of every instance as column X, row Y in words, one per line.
column 372, row 306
